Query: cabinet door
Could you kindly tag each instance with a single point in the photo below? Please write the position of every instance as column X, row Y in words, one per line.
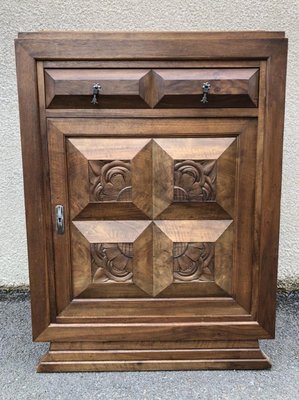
column 159, row 220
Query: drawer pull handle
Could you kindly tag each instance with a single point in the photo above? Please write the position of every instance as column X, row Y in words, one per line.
column 206, row 87
column 95, row 92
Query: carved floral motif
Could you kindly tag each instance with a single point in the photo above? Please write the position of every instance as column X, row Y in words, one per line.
column 111, row 262
column 110, row 181
column 193, row 261
column 195, row 180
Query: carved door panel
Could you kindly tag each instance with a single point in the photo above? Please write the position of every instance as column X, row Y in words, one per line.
column 161, row 215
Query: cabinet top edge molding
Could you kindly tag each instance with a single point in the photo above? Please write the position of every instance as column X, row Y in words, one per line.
column 139, row 35
column 151, row 45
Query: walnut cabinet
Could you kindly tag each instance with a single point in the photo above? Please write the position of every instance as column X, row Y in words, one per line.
column 152, row 170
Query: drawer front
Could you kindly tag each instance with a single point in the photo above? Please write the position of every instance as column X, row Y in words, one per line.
column 73, row 88
column 152, row 88
column 231, row 87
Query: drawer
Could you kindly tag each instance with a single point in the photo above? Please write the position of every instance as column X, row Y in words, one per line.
column 151, row 88
column 73, row 88
column 228, row 87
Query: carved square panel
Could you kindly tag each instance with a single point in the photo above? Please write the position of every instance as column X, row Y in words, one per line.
column 100, row 171
column 110, row 180
column 111, row 262
column 194, row 180
column 204, row 173
column 193, row 261
column 202, row 251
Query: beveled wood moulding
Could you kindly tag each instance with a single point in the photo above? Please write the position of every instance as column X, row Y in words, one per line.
column 166, row 256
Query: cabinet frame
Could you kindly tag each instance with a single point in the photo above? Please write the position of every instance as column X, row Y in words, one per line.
column 36, row 50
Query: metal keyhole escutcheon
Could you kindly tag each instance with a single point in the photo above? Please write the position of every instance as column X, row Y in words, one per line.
column 59, row 212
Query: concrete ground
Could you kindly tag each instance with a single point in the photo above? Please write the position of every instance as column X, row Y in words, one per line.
column 18, row 359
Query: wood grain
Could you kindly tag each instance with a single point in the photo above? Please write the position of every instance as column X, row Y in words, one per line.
column 271, row 187
column 144, row 35
column 150, row 360
column 193, row 231
column 229, row 87
column 229, row 330
column 143, row 263
column 142, row 177
column 153, row 261
column 48, row 221
column 152, row 113
column 63, row 86
column 226, row 178
column 143, row 47
column 111, row 231
column 151, row 308
column 195, row 149
column 163, row 179
column 146, row 127
column 148, row 345
column 108, row 149
column 60, row 196
column 244, row 229
column 162, row 261
column 34, row 191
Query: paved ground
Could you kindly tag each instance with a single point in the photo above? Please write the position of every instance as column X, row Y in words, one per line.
column 18, row 358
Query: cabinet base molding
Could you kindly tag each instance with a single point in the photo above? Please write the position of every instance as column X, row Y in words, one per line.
column 152, row 356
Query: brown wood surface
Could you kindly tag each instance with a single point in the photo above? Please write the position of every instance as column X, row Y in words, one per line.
column 259, row 186
column 204, row 168
column 140, row 88
column 148, row 345
column 59, row 195
column 33, row 175
column 146, row 127
column 47, row 189
column 152, row 46
column 163, row 331
column 67, row 88
column 144, row 35
column 228, row 87
column 244, row 229
column 151, row 356
column 233, row 360
column 155, row 310
column 152, row 163
column 271, row 188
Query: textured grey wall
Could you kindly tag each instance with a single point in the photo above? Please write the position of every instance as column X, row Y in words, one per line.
column 133, row 15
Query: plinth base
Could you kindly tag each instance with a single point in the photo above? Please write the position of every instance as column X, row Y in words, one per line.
column 152, row 356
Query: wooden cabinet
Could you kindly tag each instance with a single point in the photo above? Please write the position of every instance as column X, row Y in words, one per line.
column 152, row 170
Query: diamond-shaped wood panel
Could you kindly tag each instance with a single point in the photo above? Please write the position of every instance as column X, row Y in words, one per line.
column 203, row 172
column 100, row 172
column 149, row 178
column 152, row 255
column 158, row 183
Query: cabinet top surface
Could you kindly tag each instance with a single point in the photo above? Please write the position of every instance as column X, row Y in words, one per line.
column 151, row 45
column 152, row 35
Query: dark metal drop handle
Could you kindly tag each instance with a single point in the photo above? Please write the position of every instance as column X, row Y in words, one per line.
column 95, row 92
column 206, row 87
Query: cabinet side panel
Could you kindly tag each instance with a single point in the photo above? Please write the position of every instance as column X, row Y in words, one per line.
column 271, row 186
column 33, row 187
